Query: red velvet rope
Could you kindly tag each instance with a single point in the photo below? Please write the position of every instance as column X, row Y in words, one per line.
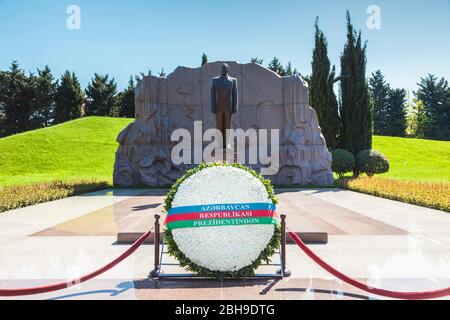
column 382, row 292
column 73, row 282
column 387, row 293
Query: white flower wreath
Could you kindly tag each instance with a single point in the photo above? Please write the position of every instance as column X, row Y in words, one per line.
column 222, row 251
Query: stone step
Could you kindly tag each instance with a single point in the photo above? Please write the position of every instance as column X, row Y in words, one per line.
column 307, row 237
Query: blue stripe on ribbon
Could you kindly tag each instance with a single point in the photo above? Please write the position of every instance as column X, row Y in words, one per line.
column 222, row 207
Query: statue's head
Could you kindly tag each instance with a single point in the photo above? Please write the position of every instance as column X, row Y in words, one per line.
column 225, row 69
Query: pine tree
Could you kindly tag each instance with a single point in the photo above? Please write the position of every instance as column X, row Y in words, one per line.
column 379, row 91
column 289, row 71
column 417, row 121
column 356, row 106
column 101, row 96
column 276, row 66
column 16, row 98
column 2, row 123
column 447, row 104
column 256, row 60
column 396, row 113
column 126, row 100
column 68, row 98
column 142, row 75
column 3, row 86
column 434, row 94
column 322, row 96
column 162, row 74
column 44, row 98
column 204, row 59
column 2, row 108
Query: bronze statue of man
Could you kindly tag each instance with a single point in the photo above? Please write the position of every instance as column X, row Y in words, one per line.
column 224, row 101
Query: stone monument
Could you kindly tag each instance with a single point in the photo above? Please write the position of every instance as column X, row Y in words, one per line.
column 266, row 101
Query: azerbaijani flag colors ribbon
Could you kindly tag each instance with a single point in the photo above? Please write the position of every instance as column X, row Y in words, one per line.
column 221, row 215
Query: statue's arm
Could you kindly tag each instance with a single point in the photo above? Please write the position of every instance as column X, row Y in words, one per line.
column 213, row 97
column 235, row 96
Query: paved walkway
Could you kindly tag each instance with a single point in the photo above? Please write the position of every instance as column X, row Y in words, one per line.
column 382, row 242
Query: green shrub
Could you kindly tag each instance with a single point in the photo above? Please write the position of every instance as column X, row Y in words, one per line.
column 371, row 162
column 343, row 162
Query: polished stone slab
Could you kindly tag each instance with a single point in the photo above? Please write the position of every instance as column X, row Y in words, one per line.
column 384, row 243
column 264, row 289
column 312, row 219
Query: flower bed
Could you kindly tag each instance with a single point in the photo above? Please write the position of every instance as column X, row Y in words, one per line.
column 14, row 197
column 428, row 194
column 221, row 221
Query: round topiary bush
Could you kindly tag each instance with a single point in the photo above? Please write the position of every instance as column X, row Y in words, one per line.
column 371, row 162
column 343, row 162
column 221, row 220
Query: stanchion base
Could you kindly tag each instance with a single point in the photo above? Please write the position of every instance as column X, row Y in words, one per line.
column 286, row 272
column 155, row 273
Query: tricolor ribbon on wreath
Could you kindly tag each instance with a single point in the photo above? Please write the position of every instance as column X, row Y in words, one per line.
column 221, row 215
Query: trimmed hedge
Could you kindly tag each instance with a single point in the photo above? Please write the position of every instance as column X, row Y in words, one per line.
column 343, row 162
column 371, row 162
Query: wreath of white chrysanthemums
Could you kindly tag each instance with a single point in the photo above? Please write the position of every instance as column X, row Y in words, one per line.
column 222, row 251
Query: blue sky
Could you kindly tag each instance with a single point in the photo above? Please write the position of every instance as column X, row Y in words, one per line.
column 126, row 37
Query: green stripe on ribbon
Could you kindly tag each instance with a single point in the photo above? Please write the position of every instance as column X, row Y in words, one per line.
column 220, row 222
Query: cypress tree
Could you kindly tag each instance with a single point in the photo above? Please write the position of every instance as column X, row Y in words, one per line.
column 322, row 96
column 356, row 106
column 379, row 91
column 101, row 96
column 68, row 98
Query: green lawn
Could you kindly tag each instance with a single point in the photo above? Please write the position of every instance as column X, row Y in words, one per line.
column 85, row 148
column 415, row 159
column 82, row 148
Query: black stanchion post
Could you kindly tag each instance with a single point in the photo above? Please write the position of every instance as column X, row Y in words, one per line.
column 286, row 272
column 157, row 241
